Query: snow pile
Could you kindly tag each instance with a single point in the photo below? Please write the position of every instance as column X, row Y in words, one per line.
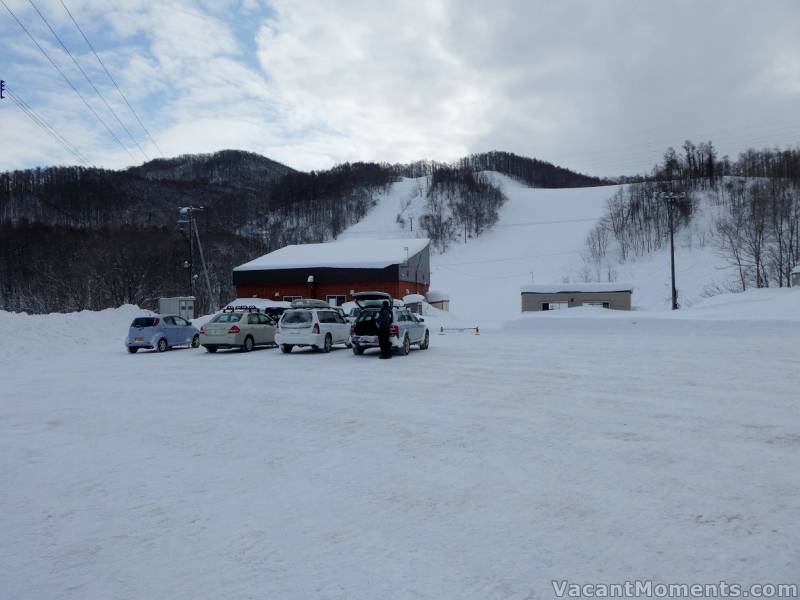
column 37, row 336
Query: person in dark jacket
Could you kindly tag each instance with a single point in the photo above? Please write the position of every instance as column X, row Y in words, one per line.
column 384, row 323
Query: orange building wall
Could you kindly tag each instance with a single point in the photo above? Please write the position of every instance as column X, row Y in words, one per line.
column 322, row 290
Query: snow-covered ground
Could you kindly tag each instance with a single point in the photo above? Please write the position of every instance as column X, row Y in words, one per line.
column 594, row 446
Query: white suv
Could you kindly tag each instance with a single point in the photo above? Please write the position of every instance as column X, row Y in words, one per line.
column 319, row 328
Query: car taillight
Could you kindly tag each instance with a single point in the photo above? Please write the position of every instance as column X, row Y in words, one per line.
column 352, row 330
column 202, row 330
column 315, row 329
column 234, row 329
column 395, row 329
column 156, row 322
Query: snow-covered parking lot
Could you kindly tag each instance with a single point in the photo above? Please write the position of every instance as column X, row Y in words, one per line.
column 590, row 449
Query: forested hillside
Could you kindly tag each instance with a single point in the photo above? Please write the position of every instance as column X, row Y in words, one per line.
column 751, row 210
column 75, row 238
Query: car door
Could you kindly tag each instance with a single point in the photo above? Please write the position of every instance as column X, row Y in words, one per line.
column 183, row 331
column 419, row 327
column 254, row 328
column 342, row 328
column 171, row 331
column 269, row 329
column 325, row 318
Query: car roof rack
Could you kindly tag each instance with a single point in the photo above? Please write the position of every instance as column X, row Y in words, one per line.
column 241, row 307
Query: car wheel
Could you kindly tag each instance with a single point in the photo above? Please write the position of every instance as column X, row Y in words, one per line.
column 133, row 349
column 406, row 346
column 425, row 342
column 211, row 349
column 286, row 348
column 328, row 343
column 196, row 341
column 248, row 344
column 162, row 345
column 357, row 350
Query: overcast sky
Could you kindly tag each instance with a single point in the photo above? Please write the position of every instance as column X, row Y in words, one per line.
column 599, row 86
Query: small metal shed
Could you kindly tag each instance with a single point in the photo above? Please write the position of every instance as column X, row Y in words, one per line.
column 183, row 306
column 796, row 276
column 567, row 295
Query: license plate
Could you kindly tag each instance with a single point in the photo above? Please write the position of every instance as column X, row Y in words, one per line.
column 138, row 339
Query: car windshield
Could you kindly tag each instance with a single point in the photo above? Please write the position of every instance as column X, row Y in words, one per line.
column 227, row 318
column 143, row 322
column 295, row 317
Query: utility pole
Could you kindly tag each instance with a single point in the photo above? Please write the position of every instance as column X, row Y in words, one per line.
column 187, row 217
column 670, row 198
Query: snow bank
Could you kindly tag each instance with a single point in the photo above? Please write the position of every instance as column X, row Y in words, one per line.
column 37, row 336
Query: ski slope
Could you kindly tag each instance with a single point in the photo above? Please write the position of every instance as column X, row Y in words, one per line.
column 539, row 237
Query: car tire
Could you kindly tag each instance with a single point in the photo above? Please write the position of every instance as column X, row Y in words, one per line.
column 357, row 350
column 326, row 347
column 286, row 348
column 248, row 344
column 406, row 346
column 211, row 349
column 132, row 350
column 196, row 341
column 162, row 345
column 426, row 341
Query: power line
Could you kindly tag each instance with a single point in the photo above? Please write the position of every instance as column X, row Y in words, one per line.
column 60, row 72
column 102, row 64
column 88, row 79
column 44, row 125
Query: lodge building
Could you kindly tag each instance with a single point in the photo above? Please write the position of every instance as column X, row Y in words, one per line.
column 334, row 271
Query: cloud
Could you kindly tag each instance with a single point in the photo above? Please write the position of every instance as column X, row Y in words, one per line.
column 602, row 87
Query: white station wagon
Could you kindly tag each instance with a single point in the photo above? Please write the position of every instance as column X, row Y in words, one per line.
column 318, row 328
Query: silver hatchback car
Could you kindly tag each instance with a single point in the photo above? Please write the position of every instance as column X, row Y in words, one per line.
column 238, row 327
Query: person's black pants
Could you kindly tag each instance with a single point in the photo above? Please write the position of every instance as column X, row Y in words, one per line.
column 385, row 343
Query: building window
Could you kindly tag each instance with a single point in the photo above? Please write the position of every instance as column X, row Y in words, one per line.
column 336, row 300
column 292, row 298
column 554, row 305
column 601, row 304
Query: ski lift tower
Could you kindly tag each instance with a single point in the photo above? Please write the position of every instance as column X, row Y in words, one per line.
column 187, row 220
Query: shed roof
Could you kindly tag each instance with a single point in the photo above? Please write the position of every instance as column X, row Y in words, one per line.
column 796, row 270
column 346, row 254
column 437, row 296
column 576, row 288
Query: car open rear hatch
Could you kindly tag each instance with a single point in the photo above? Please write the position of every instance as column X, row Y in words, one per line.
column 371, row 299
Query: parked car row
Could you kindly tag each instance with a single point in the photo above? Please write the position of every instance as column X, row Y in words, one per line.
column 308, row 323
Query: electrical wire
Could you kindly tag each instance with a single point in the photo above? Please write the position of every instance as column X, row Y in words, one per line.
column 63, row 75
column 45, row 126
column 108, row 73
column 86, row 76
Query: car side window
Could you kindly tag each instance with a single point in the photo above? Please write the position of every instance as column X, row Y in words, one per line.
column 338, row 318
column 253, row 320
column 169, row 321
column 180, row 322
column 326, row 316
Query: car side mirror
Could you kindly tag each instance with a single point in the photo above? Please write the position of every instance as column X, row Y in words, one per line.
column 420, row 319
column 189, row 322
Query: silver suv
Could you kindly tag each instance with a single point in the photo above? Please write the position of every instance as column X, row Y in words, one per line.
column 407, row 328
